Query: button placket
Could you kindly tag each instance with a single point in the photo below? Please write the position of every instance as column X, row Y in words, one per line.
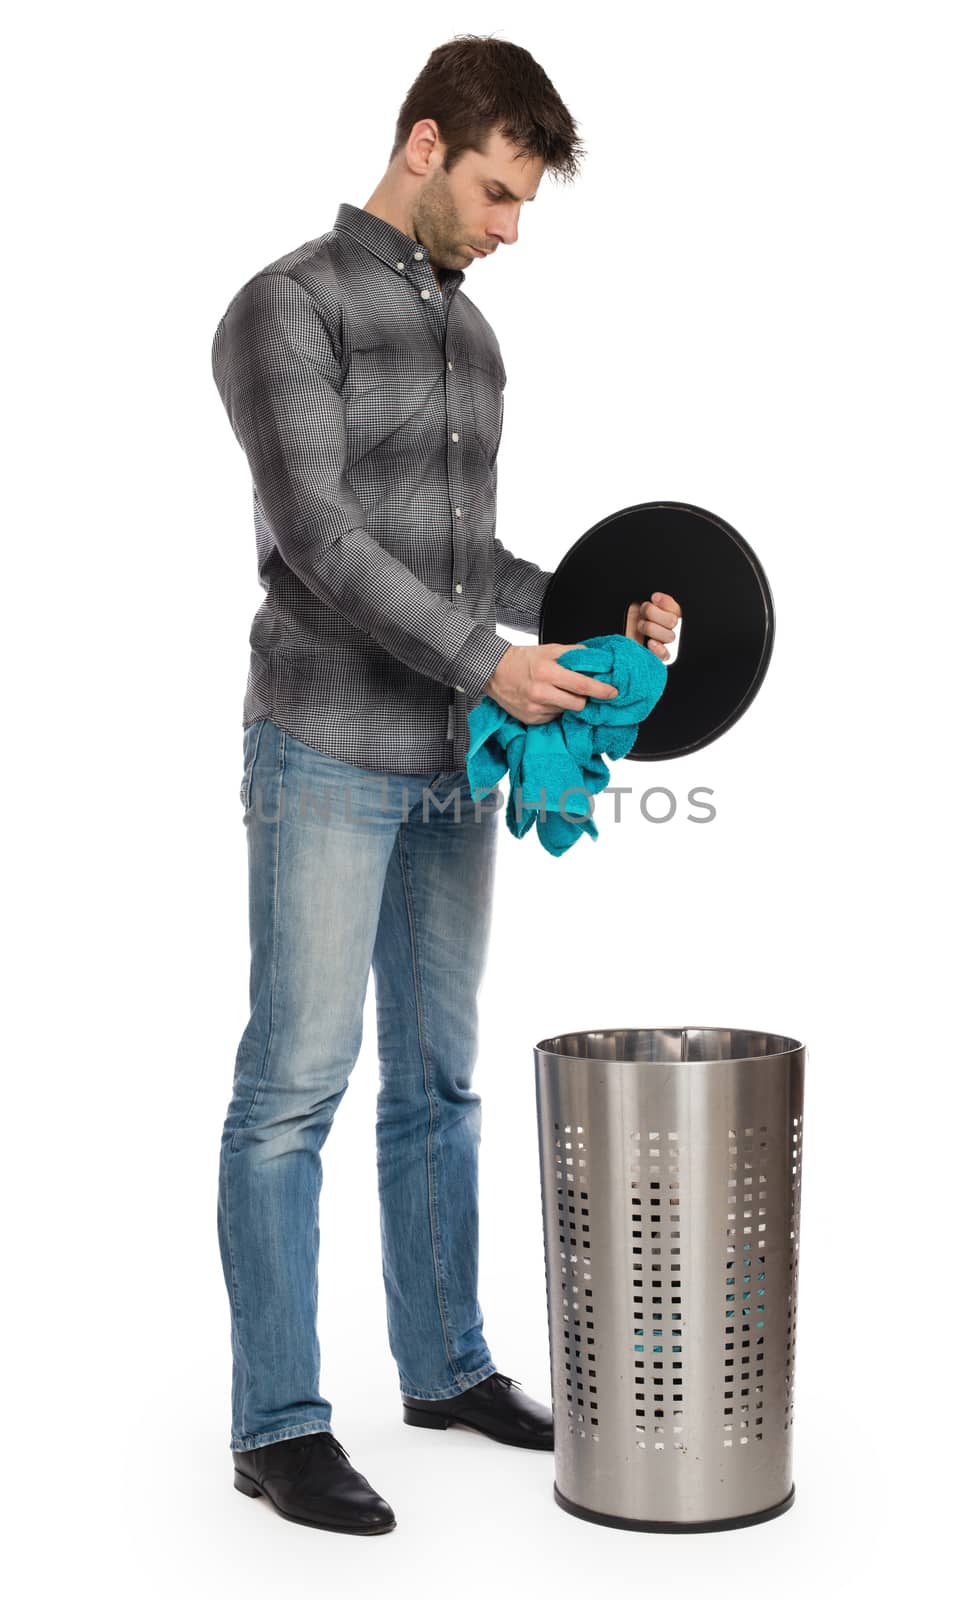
column 456, row 710
column 459, row 564
column 456, row 389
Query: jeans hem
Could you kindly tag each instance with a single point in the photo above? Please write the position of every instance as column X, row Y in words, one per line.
column 466, row 1381
column 253, row 1441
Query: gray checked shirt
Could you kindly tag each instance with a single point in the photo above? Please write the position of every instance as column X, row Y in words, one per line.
column 368, row 402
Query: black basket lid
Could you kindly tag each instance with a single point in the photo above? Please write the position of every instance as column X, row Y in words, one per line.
column 726, row 637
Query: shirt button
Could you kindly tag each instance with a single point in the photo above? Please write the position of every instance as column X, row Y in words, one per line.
column 458, row 511
column 400, row 266
column 458, row 588
column 455, row 436
column 426, row 293
column 450, row 366
column 418, row 255
column 459, row 688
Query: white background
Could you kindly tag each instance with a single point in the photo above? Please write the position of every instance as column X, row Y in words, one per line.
column 749, row 300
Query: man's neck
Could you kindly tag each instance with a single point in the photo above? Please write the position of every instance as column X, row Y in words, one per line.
column 384, row 205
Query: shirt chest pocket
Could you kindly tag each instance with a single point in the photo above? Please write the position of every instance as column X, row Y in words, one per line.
column 393, row 395
column 486, row 384
column 392, row 368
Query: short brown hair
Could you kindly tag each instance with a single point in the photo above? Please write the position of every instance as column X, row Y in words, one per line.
column 475, row 83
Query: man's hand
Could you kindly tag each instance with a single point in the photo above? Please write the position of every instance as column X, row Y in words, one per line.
column 530, row 684
column 652, row 620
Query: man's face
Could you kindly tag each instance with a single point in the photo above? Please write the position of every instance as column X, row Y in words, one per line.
column 476, row 204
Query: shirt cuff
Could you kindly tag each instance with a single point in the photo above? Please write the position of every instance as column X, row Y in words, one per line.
column 477, row 660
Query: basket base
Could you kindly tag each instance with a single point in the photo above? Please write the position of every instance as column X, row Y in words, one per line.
column 673, row 1527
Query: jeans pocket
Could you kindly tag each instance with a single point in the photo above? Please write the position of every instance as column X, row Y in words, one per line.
column 252, row 740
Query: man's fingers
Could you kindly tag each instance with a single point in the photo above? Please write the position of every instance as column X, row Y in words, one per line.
column 580, row 683
column 561, row 701
column 656, row 630
column 665, row 616
column 576, row 683
column 667, row 603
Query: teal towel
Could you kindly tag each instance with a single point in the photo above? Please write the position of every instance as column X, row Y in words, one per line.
column 547, row 758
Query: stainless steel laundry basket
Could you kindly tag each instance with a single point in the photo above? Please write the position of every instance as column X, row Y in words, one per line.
column 671, row 1178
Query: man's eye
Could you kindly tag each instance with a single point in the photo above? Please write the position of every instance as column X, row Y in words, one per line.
column 493, row 196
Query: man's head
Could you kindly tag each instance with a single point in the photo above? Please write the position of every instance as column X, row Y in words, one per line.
column 477, row 130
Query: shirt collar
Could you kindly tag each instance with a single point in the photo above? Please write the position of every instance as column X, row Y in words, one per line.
column 389, row 244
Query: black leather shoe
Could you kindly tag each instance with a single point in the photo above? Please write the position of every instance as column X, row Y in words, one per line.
column 492, row 1407
column 309, row 1480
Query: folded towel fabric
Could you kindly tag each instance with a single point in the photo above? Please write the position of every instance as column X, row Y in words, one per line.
column 546, row 759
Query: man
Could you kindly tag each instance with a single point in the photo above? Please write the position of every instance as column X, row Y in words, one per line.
column 366, row 391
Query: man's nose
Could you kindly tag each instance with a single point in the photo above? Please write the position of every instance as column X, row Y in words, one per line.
column 504, row 232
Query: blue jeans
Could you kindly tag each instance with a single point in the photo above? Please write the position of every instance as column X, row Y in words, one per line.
column 350, row 871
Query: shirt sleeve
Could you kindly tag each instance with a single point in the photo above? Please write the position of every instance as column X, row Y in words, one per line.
column 519, row 589
column 279, row 378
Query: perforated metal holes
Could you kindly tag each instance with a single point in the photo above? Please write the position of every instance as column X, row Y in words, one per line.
column 794, row 1253
column 657, row 1288
column 744, row 1323
column 572, row 1194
